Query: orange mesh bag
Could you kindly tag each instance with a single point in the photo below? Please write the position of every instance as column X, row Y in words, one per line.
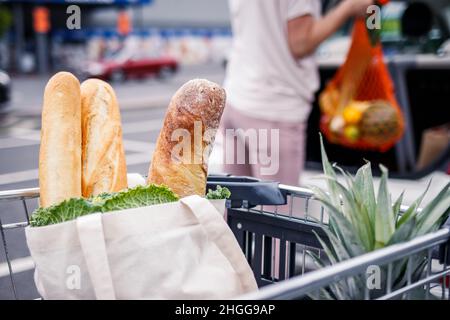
column 358, row 106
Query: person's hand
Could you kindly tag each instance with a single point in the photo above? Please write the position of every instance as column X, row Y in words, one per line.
column 357, row 7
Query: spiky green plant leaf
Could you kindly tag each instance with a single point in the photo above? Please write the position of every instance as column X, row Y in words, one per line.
column 384, row 219
column 329, row 171
column 412, row 210
column 432, row 214
column 403, row 233
column 397, row 206
column 364, row 182
column 360, row 222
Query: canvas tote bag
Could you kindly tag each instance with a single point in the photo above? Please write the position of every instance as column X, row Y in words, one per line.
column 179, row 250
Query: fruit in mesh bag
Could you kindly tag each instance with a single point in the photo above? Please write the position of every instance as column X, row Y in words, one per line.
column 329, row 100
column 353, row 112
column 337, row 124
column 352, row 133
column 379, row 123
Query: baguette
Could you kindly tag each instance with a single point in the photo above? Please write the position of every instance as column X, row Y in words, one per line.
column 60, row 149
column 181, row 161
column 103, row 157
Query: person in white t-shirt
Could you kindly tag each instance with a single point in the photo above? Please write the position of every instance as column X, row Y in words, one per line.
column 270, row 82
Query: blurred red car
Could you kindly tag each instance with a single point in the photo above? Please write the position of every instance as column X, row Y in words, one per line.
column 124, row 67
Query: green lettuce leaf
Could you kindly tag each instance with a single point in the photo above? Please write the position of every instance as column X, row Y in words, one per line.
column 64, row 211
column 140, row 196
column 219, row 193
column 67, row 210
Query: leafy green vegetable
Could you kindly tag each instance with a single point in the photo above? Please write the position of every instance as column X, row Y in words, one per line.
column 67, row 210
column 140, row 196
column 219, row 193
column 361, row 222
column 64, row 211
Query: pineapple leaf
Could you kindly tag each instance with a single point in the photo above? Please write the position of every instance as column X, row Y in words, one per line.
column 329, row 171
column 319, row 194
column 384, row 220
column 323, row 294
column 346, row 232
column 340, row 291
column 348, row 178
column 403, row 233
column 329, row 251
column 316, row 259
column 412, row 210
column 434, row 212
column 358, row 219
column 359, row 209
column 397, row 205
column 352, row 284
column 337, row 246
column 370, row 230
column 364, row 182
column 400, row 274
column 361, row 221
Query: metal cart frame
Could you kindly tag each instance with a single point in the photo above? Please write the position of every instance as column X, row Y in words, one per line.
column 274, row 226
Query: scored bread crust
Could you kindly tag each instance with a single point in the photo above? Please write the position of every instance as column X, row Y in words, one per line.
column 198, row 101
column 103, row 157
column 60, row 149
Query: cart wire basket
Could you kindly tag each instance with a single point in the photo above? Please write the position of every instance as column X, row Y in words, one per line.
column 274, row 224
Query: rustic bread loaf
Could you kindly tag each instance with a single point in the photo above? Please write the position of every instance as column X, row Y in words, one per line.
column 180, row 160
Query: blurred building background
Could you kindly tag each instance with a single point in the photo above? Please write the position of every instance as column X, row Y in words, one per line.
column 178, row 40
column 171, row 13
column 180, row 29
column 35, row 37
column 122, row 38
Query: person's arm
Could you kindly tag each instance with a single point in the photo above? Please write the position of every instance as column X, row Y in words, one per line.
column 306, row 33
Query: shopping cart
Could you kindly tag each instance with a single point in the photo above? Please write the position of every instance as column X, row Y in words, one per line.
column 274, row 226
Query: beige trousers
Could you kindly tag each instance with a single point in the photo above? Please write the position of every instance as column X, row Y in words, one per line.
column 276, row 154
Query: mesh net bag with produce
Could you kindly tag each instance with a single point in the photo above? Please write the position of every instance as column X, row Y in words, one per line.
column 358, row 107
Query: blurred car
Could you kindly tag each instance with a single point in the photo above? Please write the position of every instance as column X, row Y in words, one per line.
column 125, row 66
column 5, row 88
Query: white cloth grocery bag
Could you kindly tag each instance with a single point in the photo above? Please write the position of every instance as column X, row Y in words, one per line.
column 179, row 250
